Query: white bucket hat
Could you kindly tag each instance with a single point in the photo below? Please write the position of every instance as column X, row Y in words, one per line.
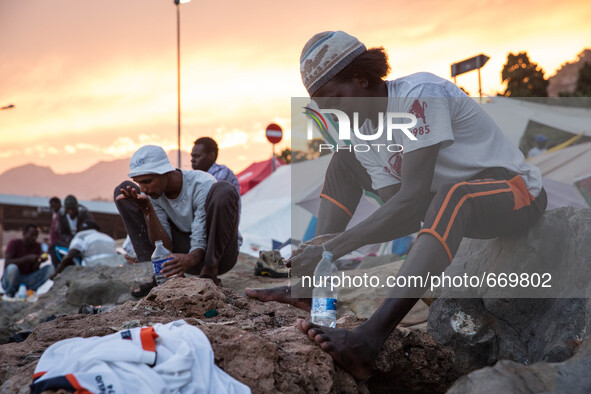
column 149, row 159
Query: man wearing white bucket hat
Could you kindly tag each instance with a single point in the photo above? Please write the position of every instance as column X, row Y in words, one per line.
column 195, row 216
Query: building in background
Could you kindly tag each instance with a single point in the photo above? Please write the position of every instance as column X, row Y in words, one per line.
column 16, row 211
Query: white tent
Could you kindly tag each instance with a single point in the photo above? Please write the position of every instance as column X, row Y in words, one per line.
column 269, row 210
column 281, row 206
column 513, row 115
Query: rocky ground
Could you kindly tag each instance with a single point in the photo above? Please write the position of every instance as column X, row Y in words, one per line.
column 256, row 343
column 524, row 344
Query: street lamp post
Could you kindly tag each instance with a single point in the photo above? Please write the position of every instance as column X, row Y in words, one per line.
column 178, row 71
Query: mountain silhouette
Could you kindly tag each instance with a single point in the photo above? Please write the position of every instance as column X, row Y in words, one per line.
column 95, row 183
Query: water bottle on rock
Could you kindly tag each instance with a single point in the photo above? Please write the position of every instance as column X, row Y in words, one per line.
column 324, row 300
column 160, row 256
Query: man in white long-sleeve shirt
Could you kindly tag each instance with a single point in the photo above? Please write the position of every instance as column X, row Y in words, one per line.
column 195, row 216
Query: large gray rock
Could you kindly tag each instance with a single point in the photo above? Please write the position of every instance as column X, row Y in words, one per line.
column 73, row 287
column 8, row 309
column 484, row 330
column 570, row 376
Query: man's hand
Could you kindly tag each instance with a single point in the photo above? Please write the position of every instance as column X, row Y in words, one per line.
column 141, row 200
column 305, row 258
column 180, row 264
column 319, row 240
column 35, row 259
column 131, row 260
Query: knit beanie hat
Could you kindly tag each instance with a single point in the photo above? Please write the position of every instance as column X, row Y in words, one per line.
column 325, row 55
column 70, row 202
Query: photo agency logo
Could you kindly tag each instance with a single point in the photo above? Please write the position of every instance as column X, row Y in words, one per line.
column 340, row 120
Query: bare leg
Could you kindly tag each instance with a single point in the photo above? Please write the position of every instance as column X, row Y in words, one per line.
column 355, row 350
column 331, row 218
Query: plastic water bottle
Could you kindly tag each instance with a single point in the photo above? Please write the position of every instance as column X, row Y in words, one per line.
column 324, row 300
column 22, row 292
column 44, row 250
column 160, row 256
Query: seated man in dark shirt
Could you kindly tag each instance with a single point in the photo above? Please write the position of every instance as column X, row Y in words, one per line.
column 69, row 221
column 23, row 258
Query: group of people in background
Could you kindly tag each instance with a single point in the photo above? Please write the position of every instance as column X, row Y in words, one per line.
column 75, row 237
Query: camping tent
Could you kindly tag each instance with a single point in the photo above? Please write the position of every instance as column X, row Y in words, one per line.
column 269, row 210
column 254, row 174
column 560, row 169
column 282, row 205
column 513, row 116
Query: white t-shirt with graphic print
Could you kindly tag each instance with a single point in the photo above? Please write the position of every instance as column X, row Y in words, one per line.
column 470, row 140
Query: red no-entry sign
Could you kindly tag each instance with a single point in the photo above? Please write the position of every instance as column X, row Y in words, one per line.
column 274, row 133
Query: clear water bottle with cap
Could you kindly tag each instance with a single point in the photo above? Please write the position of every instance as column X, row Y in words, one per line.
column 324, row 299
column 160, row 256
column 22, row 292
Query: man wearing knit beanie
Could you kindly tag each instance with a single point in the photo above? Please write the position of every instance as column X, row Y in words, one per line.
column 446, row 178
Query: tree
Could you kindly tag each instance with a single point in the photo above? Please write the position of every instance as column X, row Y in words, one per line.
column 285, row 156
column 289, row 156
column 584, row 80
column 524, row 78
column 583, row 87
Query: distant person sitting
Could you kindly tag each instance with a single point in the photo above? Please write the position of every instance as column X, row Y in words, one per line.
column 70, row 220
column 54, row 205
column 23, row 260
column 195, row 216
column 540, row 147
column 203, row 157
column 90, row 248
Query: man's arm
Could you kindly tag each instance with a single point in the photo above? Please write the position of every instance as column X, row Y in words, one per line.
column 156, row 231
column 68, row 260
column 24, row 260
column 401, row 214
column 85, row 216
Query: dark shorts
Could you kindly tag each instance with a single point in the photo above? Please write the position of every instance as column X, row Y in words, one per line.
column 494, row 203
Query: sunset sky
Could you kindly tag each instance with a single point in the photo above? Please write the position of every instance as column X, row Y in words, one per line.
column 93, row 80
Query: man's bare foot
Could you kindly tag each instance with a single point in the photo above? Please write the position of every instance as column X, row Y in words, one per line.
column 351, row 349
column 280, row 294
